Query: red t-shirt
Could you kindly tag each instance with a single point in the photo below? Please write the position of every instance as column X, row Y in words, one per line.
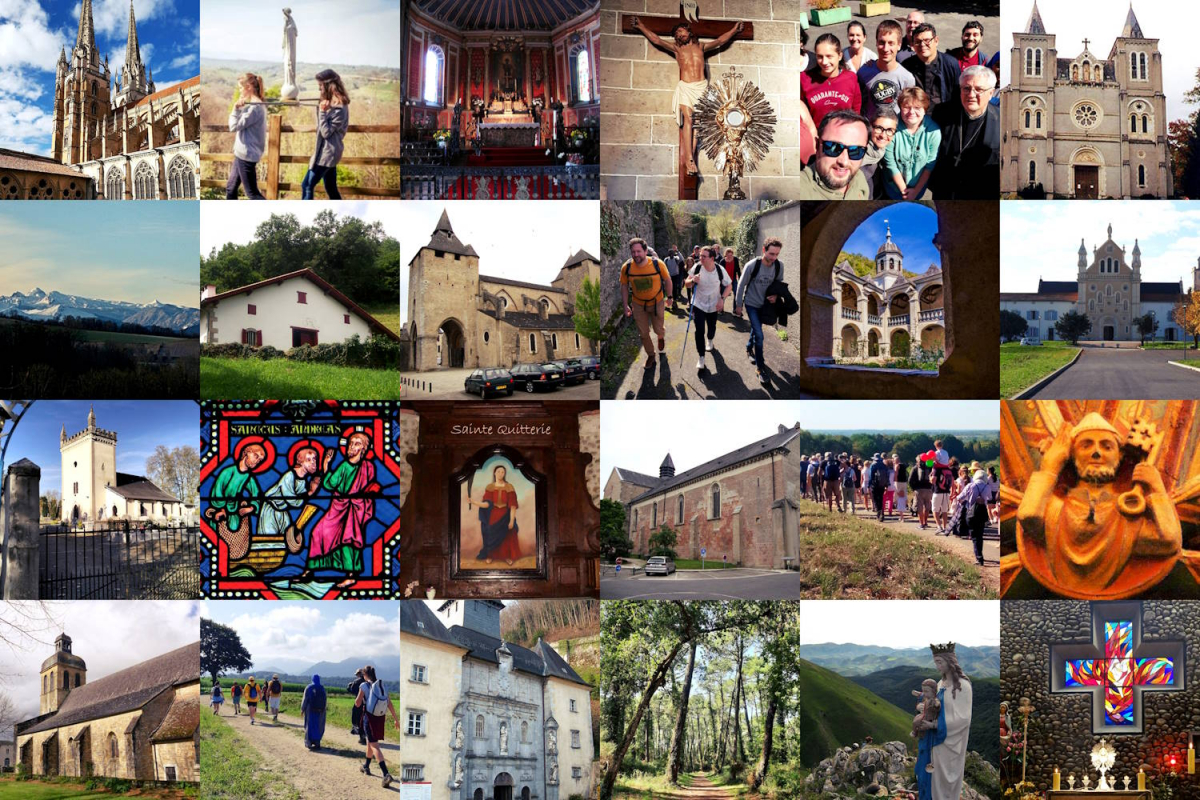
column 823, row 95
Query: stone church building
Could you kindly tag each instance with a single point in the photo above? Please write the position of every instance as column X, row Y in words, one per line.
column 1109, row 289
column 458, row 317
column 485, row 719
column 118, row 135
column 141, row 723
column 735, row 506
column 888, row 311
column 93, row 490
column 1088, row 126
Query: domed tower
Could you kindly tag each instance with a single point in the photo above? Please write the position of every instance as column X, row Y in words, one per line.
column 889, row 262
column 61, row 673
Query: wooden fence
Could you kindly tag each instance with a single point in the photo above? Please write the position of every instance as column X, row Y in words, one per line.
column 273, row 157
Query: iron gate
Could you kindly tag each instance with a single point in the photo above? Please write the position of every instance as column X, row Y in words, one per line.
column 119, row 560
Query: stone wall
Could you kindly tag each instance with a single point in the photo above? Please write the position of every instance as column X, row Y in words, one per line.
column 589, row 442
column 1063, row 722
column 783, row 222
column 639, row 127
column 626, row 220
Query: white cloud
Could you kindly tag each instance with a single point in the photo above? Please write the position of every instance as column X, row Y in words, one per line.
column 304, row 634
column 111, row 17
column 24, row 127
column 185, row 60
column 26, row 38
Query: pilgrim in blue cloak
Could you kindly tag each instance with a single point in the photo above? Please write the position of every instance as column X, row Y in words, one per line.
column 312, row 707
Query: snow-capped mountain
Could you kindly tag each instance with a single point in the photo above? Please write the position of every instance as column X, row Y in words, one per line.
column 57, row 306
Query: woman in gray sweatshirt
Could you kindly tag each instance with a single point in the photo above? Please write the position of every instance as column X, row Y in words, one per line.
column 248, row 123
column 333, row 118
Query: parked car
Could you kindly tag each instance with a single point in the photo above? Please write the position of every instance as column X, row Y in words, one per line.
column 485, row 382
column 531, row 377
column 1029, row 340
column 573, row 370
column 659, row 565
column 592, row 365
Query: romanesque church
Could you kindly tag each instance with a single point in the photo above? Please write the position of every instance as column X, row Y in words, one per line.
column 1089, row 126
column 485, row 718
column 458, row 317
column 116, row 135
column 141, row 723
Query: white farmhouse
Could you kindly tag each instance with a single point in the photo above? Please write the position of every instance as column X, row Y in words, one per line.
column 286, row 311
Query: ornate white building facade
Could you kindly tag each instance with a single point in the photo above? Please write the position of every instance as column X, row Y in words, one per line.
column 1088, row 126
column 887, row 312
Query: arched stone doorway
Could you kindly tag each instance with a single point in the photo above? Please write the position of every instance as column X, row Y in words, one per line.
column 75, row 513
column 872, row 343
column 849, row 342
column 901, row 344
column 1088, row 181
column 933, row 337
column 503, row 788
column 452, row 345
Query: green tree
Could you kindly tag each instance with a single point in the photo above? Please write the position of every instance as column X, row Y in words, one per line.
column 221, row 649
column 1073, row 326
column 614, row 543
column 723, row 225
column 1012, row 325
column 662, row 542
column 1147, row 325
column 587, row 312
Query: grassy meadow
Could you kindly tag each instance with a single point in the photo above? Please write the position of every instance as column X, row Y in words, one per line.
column 1022, row 366
column 13, row 788
column 337, row 710
column 227, row 772
column 281, row 379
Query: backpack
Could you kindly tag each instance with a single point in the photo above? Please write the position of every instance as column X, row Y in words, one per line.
column 902, row 474
column 376, row 698
column 831, row 470
column 753, row 273
column 941, row 481
column 252, row 693
column 646, row 287
column 879, row 476
column 848, row 476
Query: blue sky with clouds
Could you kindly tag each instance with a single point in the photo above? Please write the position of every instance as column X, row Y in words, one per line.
column 140, row 425
column 33, row 33
column 913, row 229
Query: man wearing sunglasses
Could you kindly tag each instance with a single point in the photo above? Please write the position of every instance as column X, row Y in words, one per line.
column 841, row 147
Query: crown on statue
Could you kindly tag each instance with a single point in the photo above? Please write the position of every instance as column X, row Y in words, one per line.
column 942, row 649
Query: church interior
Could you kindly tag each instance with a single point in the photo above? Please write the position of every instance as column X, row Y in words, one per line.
column 1099, row 698
column 500, row 100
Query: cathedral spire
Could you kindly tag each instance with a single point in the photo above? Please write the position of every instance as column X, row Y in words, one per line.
column 87, row 31
column 1035, row 25
column 1082, row 256
column 1132, row 29
column 133, row 54
column 62, row 437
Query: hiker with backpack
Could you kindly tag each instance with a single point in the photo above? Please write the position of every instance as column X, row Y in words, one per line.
column 356, row 712
column 312, row 710
column 974, row 503
column 274, row 693
column 851, row 480
column 646, row 291
column 376, row 705
column 920, row 481
column 814, row 476
column 943, row 481
column 253, row 692
column 757, row 277
column 235, row 694
column 710, row 286
column 878, row 479
column 217, row 698
column 899, row 486
column 831, row 472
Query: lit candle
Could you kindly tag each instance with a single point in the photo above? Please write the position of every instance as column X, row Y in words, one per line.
column 1141, row 780
column 1057, row 780
column 1191, row 758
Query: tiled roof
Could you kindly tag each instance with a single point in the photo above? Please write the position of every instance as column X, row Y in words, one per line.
column 637, row 478
column 579, row 258
column 30, row 162
column 524, row 319
column 136, row 487
column 127, row 690
column 750, row 451
column 172, row 89
column 181, row 721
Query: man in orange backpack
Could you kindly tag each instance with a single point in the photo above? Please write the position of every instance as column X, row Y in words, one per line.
column 646, row 291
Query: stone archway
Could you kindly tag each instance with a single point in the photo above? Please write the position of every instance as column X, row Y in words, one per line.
column 849, row 342
column 503, row 787
column 901, row 343
column 452, row 345
column 933, row 337
column 872, row 343
column 1087, row 174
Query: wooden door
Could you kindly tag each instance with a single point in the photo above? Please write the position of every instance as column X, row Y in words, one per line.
column 1087, row 183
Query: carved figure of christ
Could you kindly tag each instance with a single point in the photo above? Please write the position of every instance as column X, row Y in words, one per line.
column 689, row 55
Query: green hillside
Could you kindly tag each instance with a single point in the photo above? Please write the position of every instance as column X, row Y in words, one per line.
column 835, row 711
column 896, row 684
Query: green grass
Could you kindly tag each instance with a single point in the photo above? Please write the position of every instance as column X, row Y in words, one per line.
column 693, row 563
column 837, row 712
column 1168, row 346
column 1023, row 366
column 842, row 557
column 228, row 769
column 388, row 314
column 281, row 379
column 337, row 710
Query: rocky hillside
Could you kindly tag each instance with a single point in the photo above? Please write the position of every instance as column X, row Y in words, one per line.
column 879, row 770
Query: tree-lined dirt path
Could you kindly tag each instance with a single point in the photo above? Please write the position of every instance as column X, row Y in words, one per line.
column 332, row 773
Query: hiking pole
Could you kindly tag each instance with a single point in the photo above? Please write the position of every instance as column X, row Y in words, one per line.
column 687, row 330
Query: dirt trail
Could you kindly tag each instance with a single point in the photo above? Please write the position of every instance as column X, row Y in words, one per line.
column 332, row 773
column 701, row 789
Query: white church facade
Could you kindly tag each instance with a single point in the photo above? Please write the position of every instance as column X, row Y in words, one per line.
column 1108, row 289
column 290, row 310
column 93, row 490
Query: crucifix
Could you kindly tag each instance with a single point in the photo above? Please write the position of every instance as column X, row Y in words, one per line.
column 1116, row 667
column 689, row 53
column 1085, row 43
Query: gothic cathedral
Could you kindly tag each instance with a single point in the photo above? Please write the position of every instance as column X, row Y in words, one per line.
column 1089, row 126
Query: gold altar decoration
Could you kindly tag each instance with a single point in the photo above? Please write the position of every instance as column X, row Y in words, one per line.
column 1103, row 495
column 735, row 126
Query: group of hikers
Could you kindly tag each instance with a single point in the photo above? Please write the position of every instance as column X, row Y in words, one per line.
column 371, row 707
column 650, row 284
column 963, row 499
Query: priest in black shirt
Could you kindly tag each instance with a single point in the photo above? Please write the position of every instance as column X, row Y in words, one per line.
column 968, row 162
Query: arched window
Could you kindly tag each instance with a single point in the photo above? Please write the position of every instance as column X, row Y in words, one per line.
column 581, row 75
column 181, row 179
column 479, row 727
column 144, row 184
column 66, row 679
column 533, row 343
column 635, row 518
column 1108, row 290
column 114, row 185
column 45, row 683
column 654, row 515
column 1037, row 62
column 1029, row 61
column 554, row 341
column 679, row 511
column 113, row 748
column 524, row 732
column 93, row 109
column 1032, row 172
column 93, row 90
column 1039, row 120
column 1028, row 118
column 435, row 58
column 76, row 679
column 716, row 500
column 1133, row 123
column 1141, row 174
column 1145, row 124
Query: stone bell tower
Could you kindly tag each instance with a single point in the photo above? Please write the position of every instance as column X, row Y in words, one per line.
column 61, row 673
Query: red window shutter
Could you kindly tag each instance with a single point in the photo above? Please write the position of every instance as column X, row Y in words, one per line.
column 301, row 297
column 347, row 318
column 251, row 308
column 244, row 332
column 258, row 338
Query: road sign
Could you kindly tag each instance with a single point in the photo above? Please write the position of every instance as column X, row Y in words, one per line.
column 618, row 567
column 703, row 551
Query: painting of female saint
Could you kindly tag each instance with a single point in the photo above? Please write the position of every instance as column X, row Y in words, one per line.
column 498, row 529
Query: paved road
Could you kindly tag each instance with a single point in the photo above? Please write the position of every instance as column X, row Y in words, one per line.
column 447, row 384
column 729, row 584
column 730, row 373
column 1125, row 374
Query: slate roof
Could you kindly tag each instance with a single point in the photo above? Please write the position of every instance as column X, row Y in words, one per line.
column 508, row 282
column 525, row 319
column 750, row 451
column 1057, row 287
column 1161, row 292
column 629, row 476
column 181, row 720
column 127, row 690
column 579, row 258
column 1131, row 30
column 443, row 239
column 1035, row 24
column 417, row 619
column 138, row 487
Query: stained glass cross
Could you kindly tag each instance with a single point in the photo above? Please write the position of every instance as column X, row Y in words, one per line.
column 1117, row 667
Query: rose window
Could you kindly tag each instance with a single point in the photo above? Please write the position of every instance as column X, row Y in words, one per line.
column 1086, row 115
